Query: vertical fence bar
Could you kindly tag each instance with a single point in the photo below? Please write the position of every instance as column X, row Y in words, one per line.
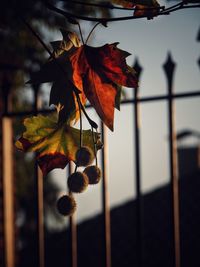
column 105, row 197
column 8, row 192
column 40, row 203
column 138, row 182
column 8, row 174
column 169, row 67
column 139, row 235
column 2, row 247
column 73, row 230
column 39, row 195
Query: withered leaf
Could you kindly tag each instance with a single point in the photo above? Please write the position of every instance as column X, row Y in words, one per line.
column 147, row 8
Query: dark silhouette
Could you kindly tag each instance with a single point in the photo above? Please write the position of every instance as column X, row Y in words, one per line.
column 157, row 233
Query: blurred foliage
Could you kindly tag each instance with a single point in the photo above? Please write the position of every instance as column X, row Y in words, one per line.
column 19, row 48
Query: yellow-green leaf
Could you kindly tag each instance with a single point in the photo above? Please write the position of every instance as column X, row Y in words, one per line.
column 55, row 144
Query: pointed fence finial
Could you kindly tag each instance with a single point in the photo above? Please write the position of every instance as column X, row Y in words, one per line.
column 138, row 68
column 169, row 67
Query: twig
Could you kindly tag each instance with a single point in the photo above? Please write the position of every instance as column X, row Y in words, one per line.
column 94, row 19
column 173, row 9
column 38, row 37
column 106, row 6
column 162, row 11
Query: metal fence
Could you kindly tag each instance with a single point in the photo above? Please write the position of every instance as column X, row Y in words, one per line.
column 8, row 206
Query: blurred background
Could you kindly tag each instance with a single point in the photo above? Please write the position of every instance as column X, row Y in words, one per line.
column 107, row 223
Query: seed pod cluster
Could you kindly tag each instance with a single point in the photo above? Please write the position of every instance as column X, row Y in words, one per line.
column 78, row 181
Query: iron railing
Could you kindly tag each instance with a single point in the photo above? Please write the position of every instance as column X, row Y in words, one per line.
column 8, row 174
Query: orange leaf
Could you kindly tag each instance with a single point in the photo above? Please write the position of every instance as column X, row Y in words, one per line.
column 98, row 71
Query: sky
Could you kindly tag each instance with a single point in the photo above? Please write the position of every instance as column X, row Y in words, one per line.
column 149, row 41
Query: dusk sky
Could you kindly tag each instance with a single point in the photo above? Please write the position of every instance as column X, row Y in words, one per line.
column 149, row 41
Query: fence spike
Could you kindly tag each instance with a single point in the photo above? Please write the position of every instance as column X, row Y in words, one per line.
column 138, row 68
column 169, row 68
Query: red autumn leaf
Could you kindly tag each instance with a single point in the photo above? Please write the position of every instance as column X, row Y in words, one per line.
column 98, row 72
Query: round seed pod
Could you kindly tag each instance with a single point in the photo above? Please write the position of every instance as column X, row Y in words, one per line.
column 66, row 205
column 93, row 173
column 77, row 182
column 84, row 156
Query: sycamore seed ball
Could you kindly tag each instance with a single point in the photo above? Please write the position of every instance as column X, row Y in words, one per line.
column 84, row 156
column 77, row 182
column 93, row 173
column 66, row 205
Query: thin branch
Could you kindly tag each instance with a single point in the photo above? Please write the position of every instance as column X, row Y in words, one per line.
column 171, row 7
column 162, row 9
column 106, row 6
column 38, row 37
column 94, row 19
column 179, row 8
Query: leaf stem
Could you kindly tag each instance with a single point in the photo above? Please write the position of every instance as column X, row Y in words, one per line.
column 94, row 146
column 79, row 27
column 91, row 122
column 92, row 32
column 76, row 167
column 81, row 124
